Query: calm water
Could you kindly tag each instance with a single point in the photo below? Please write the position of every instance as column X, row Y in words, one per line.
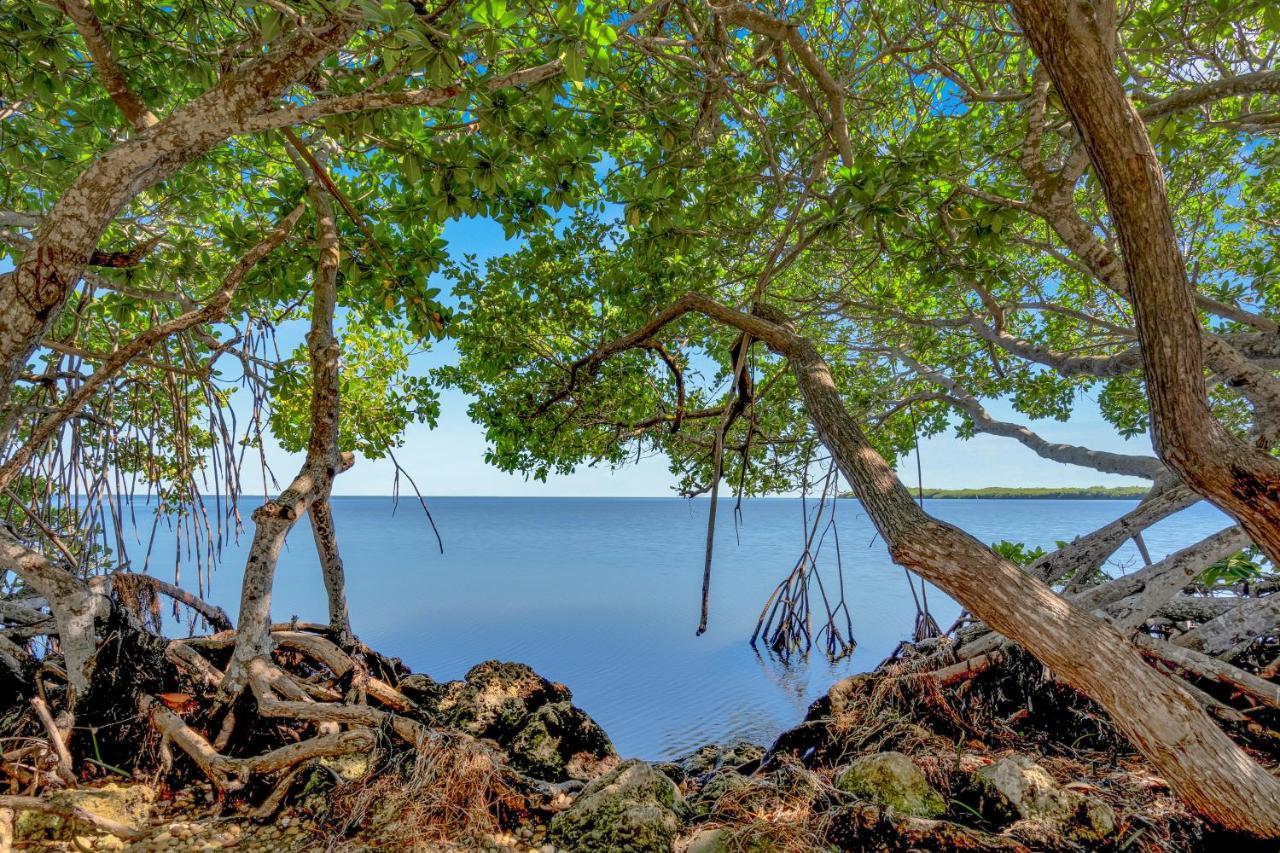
column 602, row 594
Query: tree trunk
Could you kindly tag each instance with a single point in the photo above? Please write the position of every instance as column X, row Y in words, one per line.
column 324, row 440
column 274, row 519
column 1240, row 479
column 1202, row 765
column 1256, row 617
column 76, row 607
column 335, row 584
column 1132, row 598
column 1089, row 552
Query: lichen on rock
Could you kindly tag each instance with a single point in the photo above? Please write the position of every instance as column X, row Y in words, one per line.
column 561, row 741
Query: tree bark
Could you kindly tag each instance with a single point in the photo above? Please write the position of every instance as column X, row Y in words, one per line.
column 211, row 312
column 1140, row 594
column 75, row 607
column 274, row 519
column 95, row 40
column 1255, row 618
column 324, row 442
column 1240, row 479
column 1090, row 551
column 1202, row 765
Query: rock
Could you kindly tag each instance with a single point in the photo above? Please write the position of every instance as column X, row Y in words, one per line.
column 1016, row 788
column 524, row 715
column 346, row 767
column 892, row 780
column 718, row 840
column 631, row 809
column 672, row 771
column 862, row 826
column 728, row 782
column 715, row 757
column 123, row 803
column 496, row 699
column 423, row 691
column 561, row 742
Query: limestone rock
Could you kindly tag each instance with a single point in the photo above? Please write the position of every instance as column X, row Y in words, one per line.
column 631, row 809
column 713, row 757
column 496, row 699
column 559, row 742
column 1016, row 788
column 717, row 840
column 123, row 803
column 892, row 780
column 423, row 691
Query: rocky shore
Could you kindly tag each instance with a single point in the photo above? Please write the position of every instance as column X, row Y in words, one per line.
column 874, row 766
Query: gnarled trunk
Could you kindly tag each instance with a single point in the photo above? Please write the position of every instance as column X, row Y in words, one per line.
column 1202, row 765
column 274, row 519
column 1241, row 479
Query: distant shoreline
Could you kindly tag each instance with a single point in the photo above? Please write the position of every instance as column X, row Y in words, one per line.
column 1086, row 493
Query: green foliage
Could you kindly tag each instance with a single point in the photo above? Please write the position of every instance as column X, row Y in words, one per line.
column 379, row 396
column 1240, row 567
column 927, row 240
column 1017, row 553
column 516, row 154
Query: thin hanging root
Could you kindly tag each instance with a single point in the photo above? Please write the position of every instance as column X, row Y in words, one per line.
column 16, row 804
column 786, row 621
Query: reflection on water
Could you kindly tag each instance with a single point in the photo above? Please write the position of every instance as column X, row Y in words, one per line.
column 602, row 595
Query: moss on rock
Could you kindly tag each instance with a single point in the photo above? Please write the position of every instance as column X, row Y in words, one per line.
column 892, row 780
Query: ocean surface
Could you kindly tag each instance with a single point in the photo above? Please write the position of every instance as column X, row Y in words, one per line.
column 602, row 594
